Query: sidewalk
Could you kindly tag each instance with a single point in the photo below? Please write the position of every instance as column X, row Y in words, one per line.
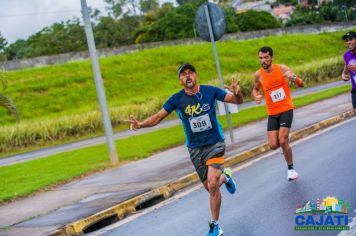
column 45, row 212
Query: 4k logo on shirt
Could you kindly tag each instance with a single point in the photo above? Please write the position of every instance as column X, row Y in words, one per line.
column 193, row 110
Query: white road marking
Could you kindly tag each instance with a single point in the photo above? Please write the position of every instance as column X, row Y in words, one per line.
column 186, row 192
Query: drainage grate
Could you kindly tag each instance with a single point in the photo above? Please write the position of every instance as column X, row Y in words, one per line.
column 101, row 224
column 151, row 202
column 114, row 218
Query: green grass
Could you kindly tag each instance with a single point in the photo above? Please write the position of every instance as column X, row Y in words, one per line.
column 46, row 131
column 136, row 78
column 25, row 178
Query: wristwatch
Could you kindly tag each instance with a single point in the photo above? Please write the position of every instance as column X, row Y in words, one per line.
column 294, row 77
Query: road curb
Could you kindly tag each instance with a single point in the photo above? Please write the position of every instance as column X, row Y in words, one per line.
column 121, row 210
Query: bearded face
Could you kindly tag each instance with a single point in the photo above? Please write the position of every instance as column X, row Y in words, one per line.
column 265, row 60
column 188, row 78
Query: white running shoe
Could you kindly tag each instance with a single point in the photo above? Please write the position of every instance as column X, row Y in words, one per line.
column 292, row 174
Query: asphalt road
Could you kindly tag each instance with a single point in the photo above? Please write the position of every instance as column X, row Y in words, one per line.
column 44, row 152
column 266, row 201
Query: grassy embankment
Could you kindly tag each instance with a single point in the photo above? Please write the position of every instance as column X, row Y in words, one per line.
column 58, row 103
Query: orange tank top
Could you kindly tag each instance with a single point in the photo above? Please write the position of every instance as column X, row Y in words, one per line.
column 276, row 90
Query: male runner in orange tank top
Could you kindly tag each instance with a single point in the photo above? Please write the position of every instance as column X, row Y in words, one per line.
column 273, row 79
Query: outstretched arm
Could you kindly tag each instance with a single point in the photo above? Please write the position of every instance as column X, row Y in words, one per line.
column 257, row 87
column 148, row 122
column 236, row 96
column 289, row 74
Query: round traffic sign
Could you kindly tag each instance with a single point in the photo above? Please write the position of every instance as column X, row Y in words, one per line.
column 217, row 20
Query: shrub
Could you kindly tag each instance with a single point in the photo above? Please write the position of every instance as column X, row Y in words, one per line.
column 256, row 20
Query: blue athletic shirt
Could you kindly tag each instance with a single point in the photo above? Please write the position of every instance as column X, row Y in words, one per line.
column 198, row 115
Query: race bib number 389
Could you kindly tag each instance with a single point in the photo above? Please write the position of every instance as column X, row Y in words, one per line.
column 277, row 95
column 200, row 123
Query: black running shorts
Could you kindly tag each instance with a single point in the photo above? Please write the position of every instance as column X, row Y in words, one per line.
column 283, row 119
column 201, row 155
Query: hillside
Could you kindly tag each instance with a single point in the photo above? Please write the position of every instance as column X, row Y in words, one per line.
column 136, row 78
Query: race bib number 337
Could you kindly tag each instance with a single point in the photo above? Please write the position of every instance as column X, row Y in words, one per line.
column 200, row 123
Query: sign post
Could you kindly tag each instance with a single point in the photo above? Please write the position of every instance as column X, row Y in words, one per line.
column 210, row 25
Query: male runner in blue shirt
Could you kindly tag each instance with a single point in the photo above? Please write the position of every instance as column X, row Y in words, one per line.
column 196, row 106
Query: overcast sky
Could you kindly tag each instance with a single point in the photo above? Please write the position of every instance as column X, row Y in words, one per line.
column 22, row 18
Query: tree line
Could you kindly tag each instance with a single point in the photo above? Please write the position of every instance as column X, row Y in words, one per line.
column 141, row 21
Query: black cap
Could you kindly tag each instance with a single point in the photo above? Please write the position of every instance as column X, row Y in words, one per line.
column 350, row 34
column 185, row 66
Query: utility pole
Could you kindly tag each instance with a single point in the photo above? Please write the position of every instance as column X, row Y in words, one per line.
column 99, row 83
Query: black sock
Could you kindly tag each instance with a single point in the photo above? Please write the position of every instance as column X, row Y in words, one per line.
column 290, row 167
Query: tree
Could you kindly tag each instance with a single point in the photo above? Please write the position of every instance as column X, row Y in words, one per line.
column 256, row 20
column 303, row 15
column 3, row 43
column 17, row 50
column 110, row 32
column 133, row 6
column 175, row 24
column 329, row 12
column 182, row 2
column 347, row 3
column 338, row 10
column 231, row 24
column 115, row 7
column 148, row 5
column 58, row 38
column 121, row 7
column 94, row 14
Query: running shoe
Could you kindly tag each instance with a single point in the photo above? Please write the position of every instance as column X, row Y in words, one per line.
column 230, row 183
column 214, row 230
column 292, row 174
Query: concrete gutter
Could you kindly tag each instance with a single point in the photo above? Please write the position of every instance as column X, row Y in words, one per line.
column 121, row 210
